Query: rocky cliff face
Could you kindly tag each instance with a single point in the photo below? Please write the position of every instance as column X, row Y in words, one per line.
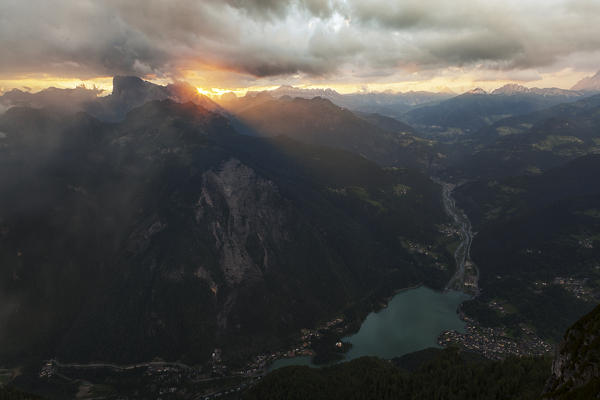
column 576, row 368
column 247, row 219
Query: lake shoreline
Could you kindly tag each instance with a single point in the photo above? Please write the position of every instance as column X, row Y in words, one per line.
column 412, row 320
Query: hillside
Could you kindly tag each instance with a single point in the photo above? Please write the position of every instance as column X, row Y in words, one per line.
column 319, row 121
column 531, row 143
column 474, row 110
column 168, row 234
column 448, row 374
column 537, row 246
column 11, row 393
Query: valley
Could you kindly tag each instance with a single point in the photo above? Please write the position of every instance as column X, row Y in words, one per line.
column 299, row 200
column 226, row 256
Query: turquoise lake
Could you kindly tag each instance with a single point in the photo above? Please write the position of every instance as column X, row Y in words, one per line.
column 412, row 321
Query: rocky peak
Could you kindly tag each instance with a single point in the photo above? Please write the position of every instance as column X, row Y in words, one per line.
column 287, row 90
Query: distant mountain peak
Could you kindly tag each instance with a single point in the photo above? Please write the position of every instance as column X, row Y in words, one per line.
column 511, row 88
column 589, row 84
column 292, row 91
column 476, row 91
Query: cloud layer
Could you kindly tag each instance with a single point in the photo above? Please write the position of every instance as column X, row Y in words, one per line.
column 320, row 39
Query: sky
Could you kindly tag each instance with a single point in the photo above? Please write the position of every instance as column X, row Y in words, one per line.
column 349, row 45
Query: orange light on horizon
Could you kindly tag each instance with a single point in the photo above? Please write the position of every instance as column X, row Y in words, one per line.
column 204, row 92
column 458, row 82
column 217, row 92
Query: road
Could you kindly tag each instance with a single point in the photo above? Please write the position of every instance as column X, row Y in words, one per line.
column 121, row 367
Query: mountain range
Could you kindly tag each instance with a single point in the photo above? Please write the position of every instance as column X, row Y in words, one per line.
column 385, row 103
column 467, row 113
column 157, row 224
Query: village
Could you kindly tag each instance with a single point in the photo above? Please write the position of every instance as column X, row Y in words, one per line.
column 303, row 347
column 495, row 343
column 579, row 288
column 172, row 380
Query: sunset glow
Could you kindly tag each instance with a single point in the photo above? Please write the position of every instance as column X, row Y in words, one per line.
column 349, row 46
column 563, row 79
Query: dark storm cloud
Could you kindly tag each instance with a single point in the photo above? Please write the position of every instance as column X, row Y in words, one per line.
column 82, row 37
column 264, row 38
